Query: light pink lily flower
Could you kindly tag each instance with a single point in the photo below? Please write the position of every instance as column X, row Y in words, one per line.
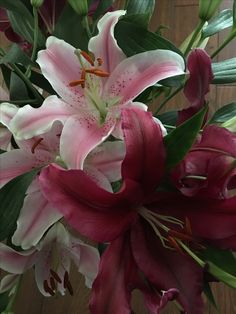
column 92, row 88
column 52, row 260
column 5, row 134
column 103, row 165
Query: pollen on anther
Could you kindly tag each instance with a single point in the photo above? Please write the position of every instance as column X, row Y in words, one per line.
column 76, row 83
column 87, row 57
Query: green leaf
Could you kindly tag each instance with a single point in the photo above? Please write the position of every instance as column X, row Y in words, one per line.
column 102, row 7
column 169, row 117
column 207, row 8
column 11, row 200
column 223, row 20
column 224, row 71
column 134, row 39
column 222, row 275
column 6, row 73
column 208, row 293
column 180, row 140
column 234, row 15
column 223, row 114
column 16, row 55
column 18, row 90
column 40, row 81
column 144, row 7
column 80, row 7
column 4, row 299
column 70, row 29
column 16, row 6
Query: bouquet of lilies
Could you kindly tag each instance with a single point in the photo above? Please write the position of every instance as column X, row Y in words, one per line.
column 95, row 170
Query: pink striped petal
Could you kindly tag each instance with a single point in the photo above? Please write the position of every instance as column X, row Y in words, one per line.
column 29, row 122
column 104, row 45
column 15, row 262
column 140, row 71
column 36, row 216
column 107, row 158
column 81, row 135
column 60, row 66
column 15, row 163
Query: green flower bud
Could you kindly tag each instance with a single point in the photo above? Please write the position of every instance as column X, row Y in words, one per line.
column 79, row 6
column 230, row 124
column 207, row 8
column 36, row 3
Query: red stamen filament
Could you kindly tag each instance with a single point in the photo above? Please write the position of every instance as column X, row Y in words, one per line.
column 87, row 57
column 55, row 276
column 188, row 226
column 36, row 144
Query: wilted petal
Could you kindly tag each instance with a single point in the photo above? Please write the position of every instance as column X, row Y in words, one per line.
column 104, row 45
column 142, row 70
column 36, row 216
column 14, row 261
column 29, row 121
column 60, row 66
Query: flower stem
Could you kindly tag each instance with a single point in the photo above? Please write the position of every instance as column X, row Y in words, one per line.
column 195, row 34
column 36, row 35
column 225, row 43
column 85, row 24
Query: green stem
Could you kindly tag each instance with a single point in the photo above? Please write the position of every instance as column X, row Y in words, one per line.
column 225, row 43
column 194, row 256
column 86, row 26
column 195, row 34
column 175, row 92
column 36, row 35
column 27, row 82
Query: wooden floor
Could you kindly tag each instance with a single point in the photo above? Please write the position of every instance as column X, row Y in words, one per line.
column 181, row 17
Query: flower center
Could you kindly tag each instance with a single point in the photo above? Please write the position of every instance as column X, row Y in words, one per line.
column 50, row 285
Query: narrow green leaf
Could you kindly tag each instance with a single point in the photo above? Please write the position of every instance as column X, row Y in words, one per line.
column 16, row 55
column 222, row 275
column 80, row 7
column 207, row 8
column 169, row 117
column 234, row 15
column 223, row 114
column 18, row 89
column 16, row 6
column 6, row 73
column 145, row 7
column 223, row 20
column 4, row 299
column 11, row 200
column 224, row 71
column 208, row 293
column 133, row 39
column 180, row 140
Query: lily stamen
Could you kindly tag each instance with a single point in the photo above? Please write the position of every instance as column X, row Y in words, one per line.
column 52, row 283
column 97, row 72
column 47, row 288
column 77, row 82
column 175, row 245
column 180, row 235
column 55, row 276
column 67, row 284
column 87, row 57
column 36, row 144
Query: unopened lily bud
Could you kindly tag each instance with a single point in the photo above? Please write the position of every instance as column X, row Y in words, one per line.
column 230, row 124
column 79, row 6
column 36, row 3
column 207, row 8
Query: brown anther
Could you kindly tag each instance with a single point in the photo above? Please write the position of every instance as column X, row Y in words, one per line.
column 76, row 83
column 67, row 283
column 47, row 288
column 97, row 72
column 87, row 57
column 188, row 226
column 55, row 276
column 100, row 61
column 180, row 235
column 52, row 283
column 175, row 244
column 36, row 144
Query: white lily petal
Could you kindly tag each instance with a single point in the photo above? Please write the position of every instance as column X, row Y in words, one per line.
column 8, row 282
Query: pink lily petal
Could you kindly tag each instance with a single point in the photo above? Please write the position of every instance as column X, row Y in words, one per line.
column 167, row 269
column 8, row 282
column 88, row 260
column 107, row 158
column 104, row 45
column 135, row 74
column 88, row 135
column 29, row 122
column 60, row 66
column 15, row 262
column 5, row 138
column 15, row 163
column 36, row 216
column 7, row 112
column 98, row 177
column 92, row 211
column 111, row 292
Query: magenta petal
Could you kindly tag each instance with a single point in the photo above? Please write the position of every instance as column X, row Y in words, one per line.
column 144, row 162
column 167, row 269
column 94, row 212
column 111, row 292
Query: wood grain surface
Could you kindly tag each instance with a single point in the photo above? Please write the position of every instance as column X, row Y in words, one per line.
column 181, row 17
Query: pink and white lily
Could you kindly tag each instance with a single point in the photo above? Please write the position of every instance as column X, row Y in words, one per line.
column 92, row 87
column 52, row 260
column 103, row 166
